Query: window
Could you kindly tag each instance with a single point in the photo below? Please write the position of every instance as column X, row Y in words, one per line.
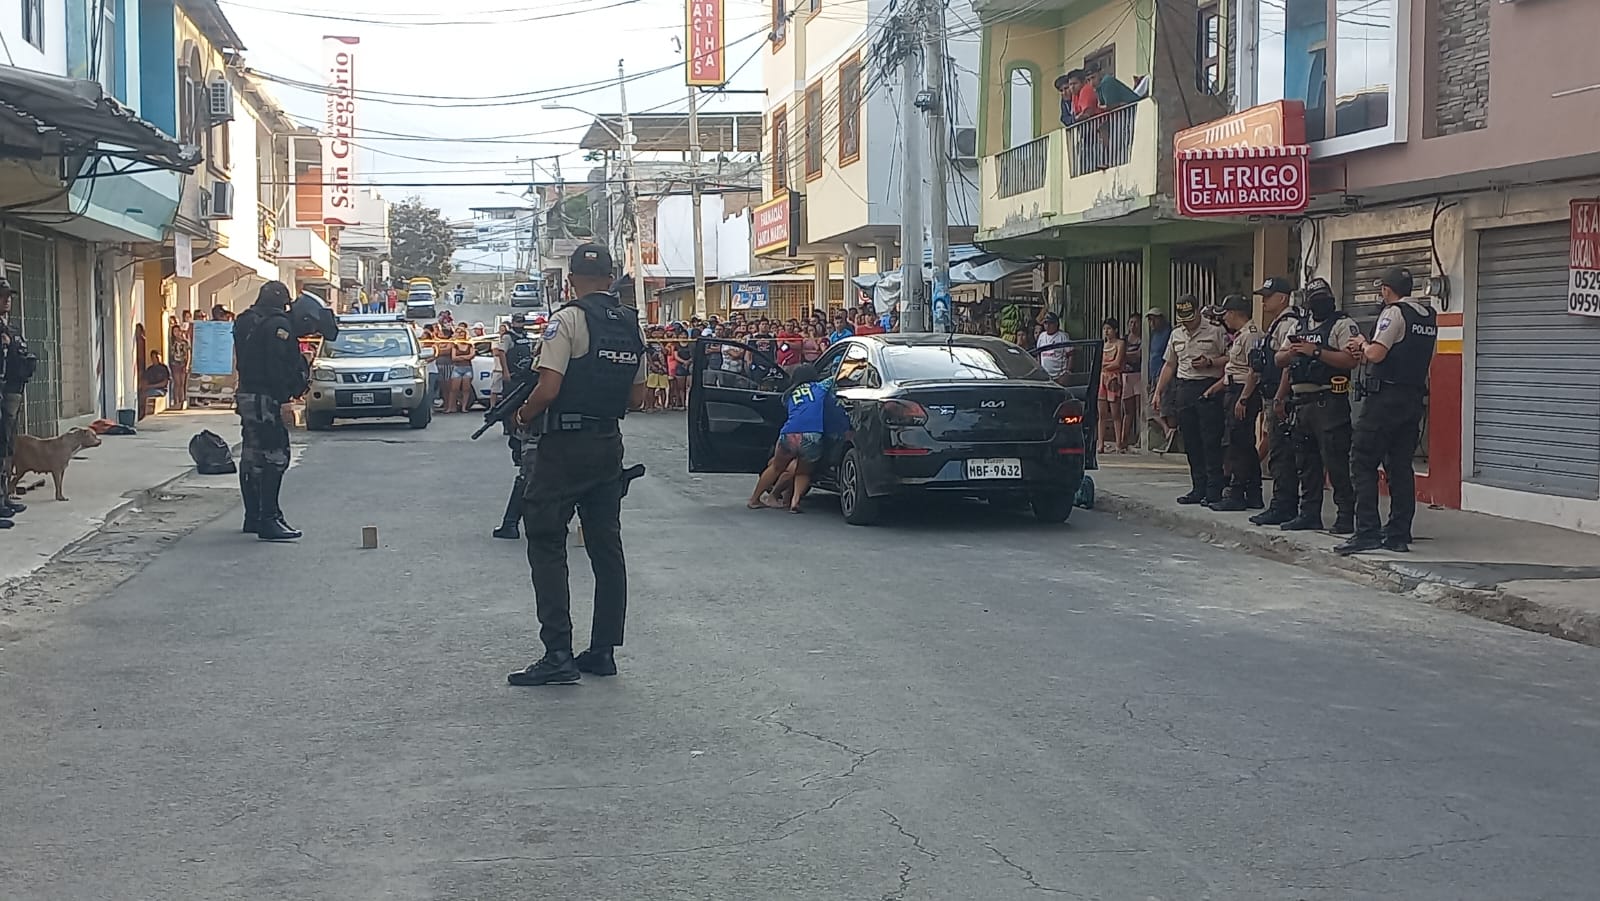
column 1105, row 58
column 780, row 150
column 106, row 61
column 850, row 110
column 780, row 23
column 1208, row 50
column 1022, row 106
column 33, row 23
column 813, row 127
column 1299, row 42
column 192, row 104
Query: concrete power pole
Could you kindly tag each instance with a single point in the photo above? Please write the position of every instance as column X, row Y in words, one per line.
column 934, row 53
column 694, row 193
column 911, row 309
column 631, row 198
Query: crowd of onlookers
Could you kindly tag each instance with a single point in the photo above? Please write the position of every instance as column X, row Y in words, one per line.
column 450, row 374
column 784, row 343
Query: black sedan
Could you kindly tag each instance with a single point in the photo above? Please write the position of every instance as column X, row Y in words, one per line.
column 964, row 415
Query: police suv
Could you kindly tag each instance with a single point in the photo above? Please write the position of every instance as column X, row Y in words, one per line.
column 376, row 368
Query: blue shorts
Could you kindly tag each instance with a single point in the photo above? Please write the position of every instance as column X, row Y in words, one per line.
column 808, row 446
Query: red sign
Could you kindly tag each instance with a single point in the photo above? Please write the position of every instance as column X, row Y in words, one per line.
column 1583, row 294
column 1276, row 124
column 1251, row 181
column 772, row 225
column 708, row 58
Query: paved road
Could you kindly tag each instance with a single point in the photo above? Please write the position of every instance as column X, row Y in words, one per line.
column 957, row 705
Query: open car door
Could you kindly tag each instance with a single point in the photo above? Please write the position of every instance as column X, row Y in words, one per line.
column 1082, row 381
column 734, row 417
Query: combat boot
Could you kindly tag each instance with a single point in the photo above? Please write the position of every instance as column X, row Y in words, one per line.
column 1272, row 517
column 508, row 523
column 272, row 526
column 1233, row 503
column 554, row 668
column 252, row 502
column 1344, row 524
column 597, row 661
column 1303, row 523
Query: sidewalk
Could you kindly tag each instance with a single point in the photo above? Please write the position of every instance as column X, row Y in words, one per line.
column 1531, row 576
column 102, row 484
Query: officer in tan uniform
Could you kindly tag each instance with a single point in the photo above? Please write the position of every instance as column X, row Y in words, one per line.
column 1283, row 320
column 1241, row 393
column 1196, row 354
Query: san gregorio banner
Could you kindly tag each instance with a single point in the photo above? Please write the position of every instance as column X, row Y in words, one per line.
column 339, row 132
column 707, row 64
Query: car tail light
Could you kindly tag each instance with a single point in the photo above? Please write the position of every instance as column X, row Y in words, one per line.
column 1069, row 413
column 904, row 412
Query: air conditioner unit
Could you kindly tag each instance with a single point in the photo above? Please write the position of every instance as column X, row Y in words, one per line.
column 964, row 148
column 221, row 95
column 221, row 200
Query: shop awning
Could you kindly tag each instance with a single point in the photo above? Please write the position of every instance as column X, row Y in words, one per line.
column 84, row 119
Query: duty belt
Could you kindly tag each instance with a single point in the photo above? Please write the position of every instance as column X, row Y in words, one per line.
column 573, row 422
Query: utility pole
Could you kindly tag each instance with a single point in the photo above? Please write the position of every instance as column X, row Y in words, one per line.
column 631, row 198
column 694, row 194
column 933, row 60
column 911, row 309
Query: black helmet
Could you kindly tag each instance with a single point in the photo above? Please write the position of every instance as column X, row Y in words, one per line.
column 309, row 316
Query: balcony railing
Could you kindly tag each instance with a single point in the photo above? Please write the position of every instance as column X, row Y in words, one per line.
column 269, row 232
column 1022, row 168
column 1101, row 142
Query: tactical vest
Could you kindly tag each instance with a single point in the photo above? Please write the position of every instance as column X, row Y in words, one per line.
column 19, row 364
column 1310, row 370
column 253, row 334
column 1408, row 360
column 1268, row 371
column 519, row 355
column 599, row 383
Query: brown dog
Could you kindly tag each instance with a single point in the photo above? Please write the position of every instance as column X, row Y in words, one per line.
column 48, row 455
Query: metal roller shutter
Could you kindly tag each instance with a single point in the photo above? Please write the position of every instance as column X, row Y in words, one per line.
column 1536, row 390
column 1365, row 261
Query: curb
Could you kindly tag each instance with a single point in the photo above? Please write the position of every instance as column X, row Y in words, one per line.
column 1399, row 577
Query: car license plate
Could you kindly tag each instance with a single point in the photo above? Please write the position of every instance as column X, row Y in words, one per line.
column 994, row 468
column 361, row 397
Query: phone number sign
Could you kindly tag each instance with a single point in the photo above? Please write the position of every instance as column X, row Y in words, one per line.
column 1244, row 181
column 1583, row 280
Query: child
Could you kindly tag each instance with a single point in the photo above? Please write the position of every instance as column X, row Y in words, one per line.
column 656, row 380
column 814, row 415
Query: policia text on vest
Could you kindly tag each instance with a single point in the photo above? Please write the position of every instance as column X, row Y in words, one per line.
column 591, row 371
column 1399, row 355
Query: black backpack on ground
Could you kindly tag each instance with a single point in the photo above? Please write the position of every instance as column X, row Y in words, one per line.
column 211, row 454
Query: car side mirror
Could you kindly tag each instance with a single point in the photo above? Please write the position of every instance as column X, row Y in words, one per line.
column 429, row 353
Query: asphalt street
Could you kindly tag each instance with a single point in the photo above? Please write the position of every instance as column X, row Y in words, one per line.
column 958, row 704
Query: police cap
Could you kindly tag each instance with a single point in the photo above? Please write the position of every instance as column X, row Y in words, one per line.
column 1186, row 308
column 1277, row 284
column 1237, row 303
column 1397, row 279
column 590, row 259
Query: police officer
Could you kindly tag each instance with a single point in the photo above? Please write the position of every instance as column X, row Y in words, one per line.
column 1319, row 386
column 591, row 371
column 271, row 373
column 1284, row 320
column 517, row 356
column 17, row 366
column 1400, row 352
column 1241, row 392
column 1195, row 358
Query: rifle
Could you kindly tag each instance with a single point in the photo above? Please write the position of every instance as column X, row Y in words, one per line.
column 521, row 387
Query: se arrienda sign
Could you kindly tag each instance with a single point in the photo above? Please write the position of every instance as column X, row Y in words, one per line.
column 1244, row 181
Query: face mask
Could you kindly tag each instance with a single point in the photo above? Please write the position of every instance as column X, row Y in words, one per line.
column 1321, row 307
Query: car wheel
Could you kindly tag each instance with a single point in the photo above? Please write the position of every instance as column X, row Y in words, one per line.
column 421, row 415
column 1051, row 508
column 319, row 422
column 857, row 507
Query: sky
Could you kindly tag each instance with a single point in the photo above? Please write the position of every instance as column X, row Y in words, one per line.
column 472, row 54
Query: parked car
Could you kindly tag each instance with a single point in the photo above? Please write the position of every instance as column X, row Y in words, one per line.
column 527, row 294
column 964, row 415
column 375, row 368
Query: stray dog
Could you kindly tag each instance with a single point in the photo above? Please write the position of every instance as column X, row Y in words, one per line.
column 49, row 455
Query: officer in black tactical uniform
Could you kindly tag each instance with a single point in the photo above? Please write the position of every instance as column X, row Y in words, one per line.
column 1284, row 320
column 523, row 440
column 1400, row 352
column 1319, row 385
column 591, row 371
column 17, row 366
column 271, row 373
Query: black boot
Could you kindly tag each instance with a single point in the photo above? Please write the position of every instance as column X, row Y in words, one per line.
column 272, row 526
column 1344, row 524
column 597, row 661
column 1272, row 517
column 1305, row 522
column 554, row 668
column 252, row 502
column 1233, row 502
column 508, row 523
column 1253, row 499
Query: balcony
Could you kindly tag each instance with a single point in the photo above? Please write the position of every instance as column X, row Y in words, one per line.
column 1100, row 169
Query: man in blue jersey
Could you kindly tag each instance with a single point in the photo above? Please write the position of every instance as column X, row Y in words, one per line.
column 815, row 416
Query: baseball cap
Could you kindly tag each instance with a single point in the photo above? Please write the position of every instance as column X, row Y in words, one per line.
column 1051, row 317
column 1277, row 284
column 1154, row 311
column 1185, row 309
column 1397, row 278
column 1237, row 303
column 590, row 259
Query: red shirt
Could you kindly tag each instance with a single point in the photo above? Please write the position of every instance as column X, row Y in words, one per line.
column 1086, row 103
column 869, row 329
column 789, row 346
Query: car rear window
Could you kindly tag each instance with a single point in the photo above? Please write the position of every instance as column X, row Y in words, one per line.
column 937, row 362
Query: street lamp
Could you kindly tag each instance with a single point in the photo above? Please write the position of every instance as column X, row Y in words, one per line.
column 630, row 197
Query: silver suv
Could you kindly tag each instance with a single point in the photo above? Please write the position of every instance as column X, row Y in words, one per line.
column 375, row 368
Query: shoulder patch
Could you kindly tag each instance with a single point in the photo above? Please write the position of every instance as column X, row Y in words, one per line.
column 283, row 334
column 1383, row 323
column 551, row 329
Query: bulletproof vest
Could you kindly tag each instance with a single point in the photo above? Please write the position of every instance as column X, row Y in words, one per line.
column 1310, row 370
column 598, row 384
column 519, row 355
column 1408, row 360
column 1263, row 357
column 254, row 334
column 19, row 364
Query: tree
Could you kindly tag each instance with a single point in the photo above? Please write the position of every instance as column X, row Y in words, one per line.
column 420, row 242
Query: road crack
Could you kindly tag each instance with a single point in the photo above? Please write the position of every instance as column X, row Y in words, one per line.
column 1027, row 874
